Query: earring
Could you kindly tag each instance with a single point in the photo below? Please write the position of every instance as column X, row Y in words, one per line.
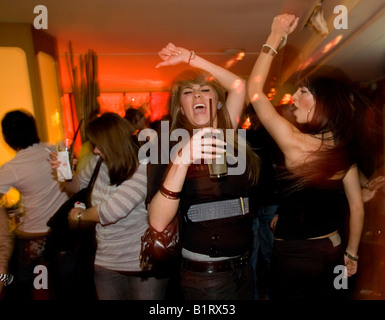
column 219, row 105
column 181, row 111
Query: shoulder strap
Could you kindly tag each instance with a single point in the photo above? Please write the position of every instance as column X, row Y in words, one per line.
column 95, row 174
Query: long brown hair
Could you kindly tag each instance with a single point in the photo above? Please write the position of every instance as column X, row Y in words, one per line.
column 113, row 136
column 195, row 76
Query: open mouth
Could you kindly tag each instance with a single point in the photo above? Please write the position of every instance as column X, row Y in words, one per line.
column 199, row 108
column 293, row 107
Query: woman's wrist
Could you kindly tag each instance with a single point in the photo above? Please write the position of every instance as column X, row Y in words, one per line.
column 274, row 40
column 351, row 256
column 351, row 251
column 79, row 217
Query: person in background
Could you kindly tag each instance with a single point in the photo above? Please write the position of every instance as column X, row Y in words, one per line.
column 266, row 198
column 30, row 173
column 119, row 211
column 320, row 178
column 215, row 254
column 136, row 118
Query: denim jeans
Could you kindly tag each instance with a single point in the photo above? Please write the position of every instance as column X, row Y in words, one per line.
column 234, row 284
column 114, row 285
column 262, row 241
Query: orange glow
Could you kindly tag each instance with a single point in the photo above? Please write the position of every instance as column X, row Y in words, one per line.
column 272, row 94
column 240, row 56
column 321, row 52
column 231, row 62
column 286, row 99
column 305, row 64
column 15, row 90
column 237, row 85
column 257, row 79
column 159, row 102
column 112, row 102
column 255, row 97
column 51, row 96
column 246, row 124
column 70, row 121
column 136, row 99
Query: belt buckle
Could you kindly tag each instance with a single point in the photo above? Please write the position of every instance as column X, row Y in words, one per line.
column 242, row 206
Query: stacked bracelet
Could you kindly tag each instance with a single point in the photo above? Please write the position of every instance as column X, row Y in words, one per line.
column 269, row 50
column 168, row 194
column 191, row 57
column 6, row 278
column 354, row 258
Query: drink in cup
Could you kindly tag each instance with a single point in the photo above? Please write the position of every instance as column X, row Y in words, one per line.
column 65, row 156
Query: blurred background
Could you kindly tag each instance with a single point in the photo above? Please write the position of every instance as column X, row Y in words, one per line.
column 63, row 59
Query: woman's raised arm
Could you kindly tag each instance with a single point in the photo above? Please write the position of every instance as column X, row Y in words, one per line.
column 234, row 85
column 279, row 128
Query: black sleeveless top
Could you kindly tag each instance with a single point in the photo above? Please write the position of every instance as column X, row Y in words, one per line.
column 312, row 211
column 224, row 237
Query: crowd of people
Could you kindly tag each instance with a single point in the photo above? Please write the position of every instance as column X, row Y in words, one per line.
column 298, row 203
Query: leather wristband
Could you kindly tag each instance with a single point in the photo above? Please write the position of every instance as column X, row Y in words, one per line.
column 168, row 194
column 269, row 50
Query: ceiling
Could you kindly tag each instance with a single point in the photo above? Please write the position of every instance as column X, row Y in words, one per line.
column 127, row 34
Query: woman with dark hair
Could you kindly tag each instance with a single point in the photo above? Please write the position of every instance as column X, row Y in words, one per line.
column 118, row 209
column 217, row 220
column 29, row 172
column 321, row 176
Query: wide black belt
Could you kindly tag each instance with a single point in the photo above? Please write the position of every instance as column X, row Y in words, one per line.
column 218, row 209
column 215, row 266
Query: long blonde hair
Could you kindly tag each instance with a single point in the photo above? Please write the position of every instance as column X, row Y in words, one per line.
column 192, row 77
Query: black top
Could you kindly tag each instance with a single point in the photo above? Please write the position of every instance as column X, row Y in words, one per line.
column 224, row 237
column 271, row 157
column 311, row 211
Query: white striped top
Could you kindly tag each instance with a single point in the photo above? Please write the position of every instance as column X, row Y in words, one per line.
column 123, row 217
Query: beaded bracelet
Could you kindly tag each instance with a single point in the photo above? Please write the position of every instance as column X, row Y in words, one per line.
column 354, row 258
column 168, row 194
column 269, row 50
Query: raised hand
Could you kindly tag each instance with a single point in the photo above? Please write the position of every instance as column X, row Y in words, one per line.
column 172, row 55
column 199, row 147
column 284, row 24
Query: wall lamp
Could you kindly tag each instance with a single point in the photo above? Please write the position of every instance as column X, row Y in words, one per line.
column 317, row 20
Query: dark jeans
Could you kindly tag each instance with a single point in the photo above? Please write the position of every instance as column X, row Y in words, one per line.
column 29, row 253
column 262, row 242
column 304, row 269
column 235, row 284
column 114, row 285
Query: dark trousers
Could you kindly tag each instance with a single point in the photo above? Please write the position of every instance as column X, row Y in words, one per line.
column 305, row 269
column 30, row 269
column 235, row 284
